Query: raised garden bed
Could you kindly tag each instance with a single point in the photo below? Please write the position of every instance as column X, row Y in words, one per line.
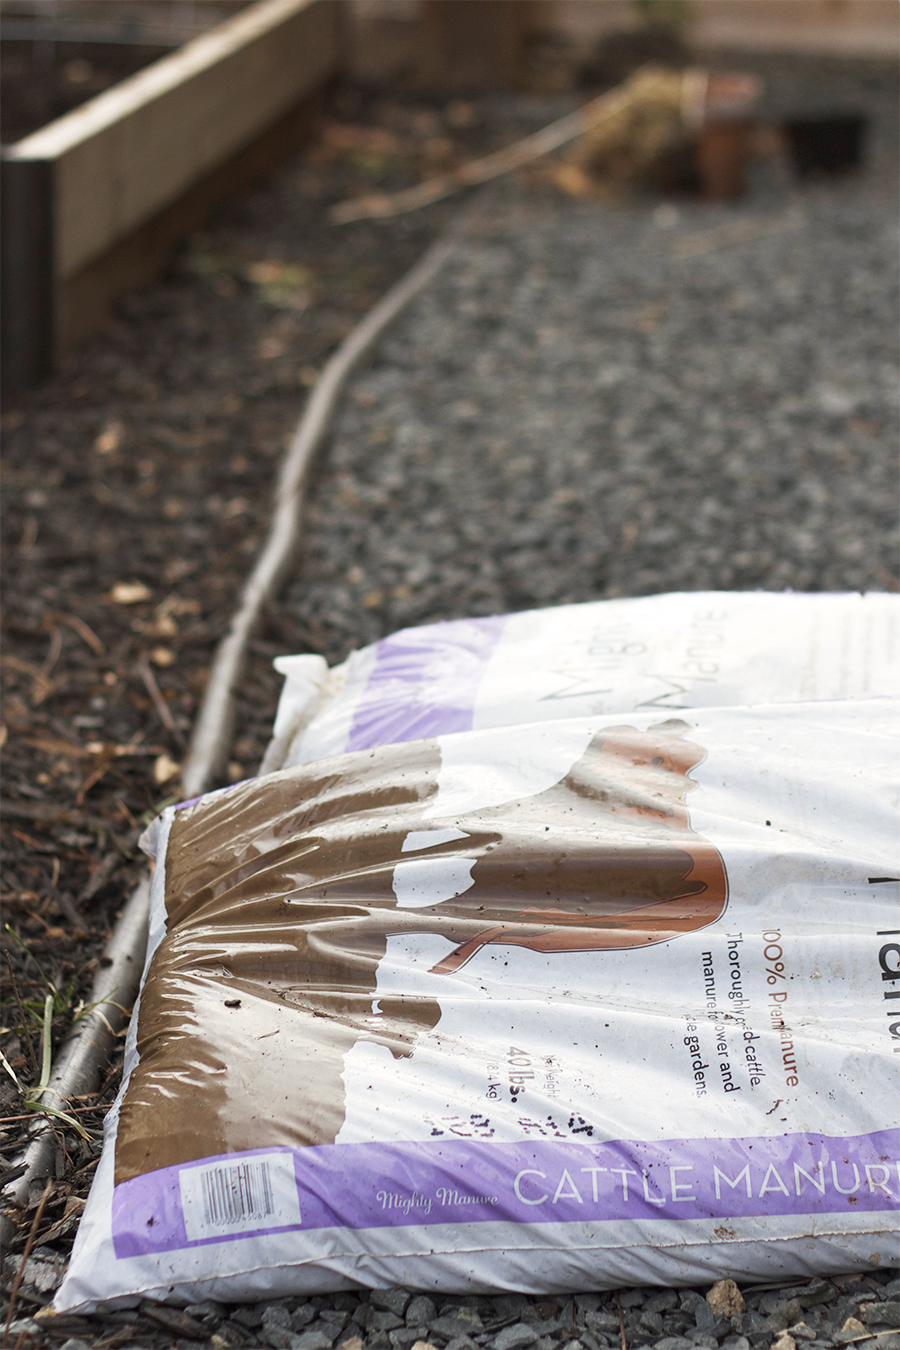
column 94, row 201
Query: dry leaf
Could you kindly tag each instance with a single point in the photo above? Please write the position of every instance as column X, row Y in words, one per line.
column 55, row 745
column 110, row 437
column 165, row 769
column 130, row 593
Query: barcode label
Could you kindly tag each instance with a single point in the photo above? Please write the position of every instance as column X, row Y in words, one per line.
column 239, row 1196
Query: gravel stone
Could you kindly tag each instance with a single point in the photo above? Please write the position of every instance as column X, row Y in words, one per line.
column 549, row 1326
column 515, row 1337
column 276, row 1315
column 676, row 1322
column 279, row 1337
column 661, row 1302
column 725, row 1298
column 317, row 1338
column 384, row 1320
column 462, row 1322
column 735, row 1343
column 420, row 1311
column 754, row 1322
column 690, row 1301
column 511, row 1307
column 405, row 1336
column 596, row 1340
column 250, row 1316
column 229, row 1337
column 22, row 1326
column 205, row 1311
column 850, row 1331
column 675, row 1343
column 652, row 1322
column 393, row 1300
column 461, row 1343
column 43, row 1277
column 335, row 1317
column 173, row 1319
column 886, row 1313
column 817, row 1291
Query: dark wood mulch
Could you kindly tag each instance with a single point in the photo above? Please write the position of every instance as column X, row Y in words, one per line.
column 138, row 483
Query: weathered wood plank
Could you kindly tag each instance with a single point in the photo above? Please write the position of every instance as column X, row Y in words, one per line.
column 125, row 155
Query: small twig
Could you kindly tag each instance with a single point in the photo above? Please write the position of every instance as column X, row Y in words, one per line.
column 621, row 1322
column 737, row 232
column 20, row 1273
column 83, row 631
column 53, row 652
column 100, row 876
column 41, row 685
column 66, row 908
column 380, row 206
column 66, row 1218
column 35, row 1115
column 159, row 702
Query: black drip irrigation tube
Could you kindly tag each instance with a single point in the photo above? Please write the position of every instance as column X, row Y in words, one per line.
column 116, row 987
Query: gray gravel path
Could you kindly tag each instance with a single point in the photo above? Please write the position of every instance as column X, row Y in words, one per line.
column 602, row 400
column 814, row 1314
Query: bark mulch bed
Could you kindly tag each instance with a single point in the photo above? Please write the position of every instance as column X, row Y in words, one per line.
column 138, row 486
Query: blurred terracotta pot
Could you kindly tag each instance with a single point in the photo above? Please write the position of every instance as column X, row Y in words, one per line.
column 721, row 159
column 724, row 138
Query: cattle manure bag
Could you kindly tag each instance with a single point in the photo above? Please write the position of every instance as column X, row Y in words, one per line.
column 571, row 962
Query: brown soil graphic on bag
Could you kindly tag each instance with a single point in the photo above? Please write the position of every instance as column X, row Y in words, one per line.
column 282, row 896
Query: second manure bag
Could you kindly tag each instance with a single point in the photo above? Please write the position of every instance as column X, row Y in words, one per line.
column 588, row 1002
column 690, row 649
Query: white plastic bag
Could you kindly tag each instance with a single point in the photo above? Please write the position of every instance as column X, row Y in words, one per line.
column 662, row 652
column 561, row 1005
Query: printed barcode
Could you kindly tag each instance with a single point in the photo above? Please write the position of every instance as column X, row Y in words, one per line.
column 239, row 1195
column 240, row 1192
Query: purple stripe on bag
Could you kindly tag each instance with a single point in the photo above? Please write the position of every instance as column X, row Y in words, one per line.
column 424, row 682
column 464, row 1181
